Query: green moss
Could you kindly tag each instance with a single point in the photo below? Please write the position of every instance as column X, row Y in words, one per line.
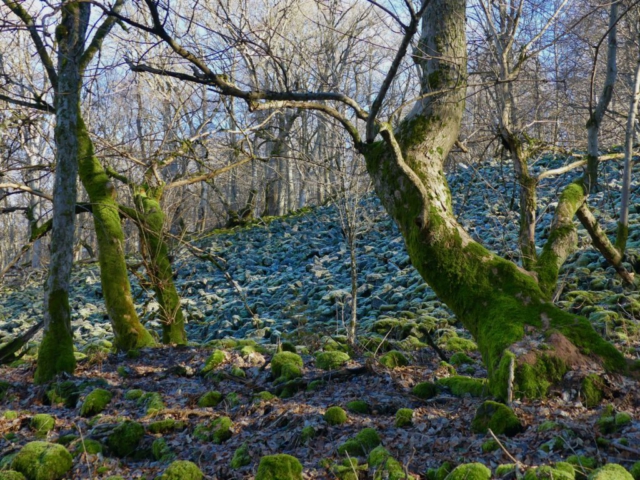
column 42, row 424
column 241, row 457
column 95, row 402
column 497, row 417
column 67, row 439
column 547, row 425
column 10, row 415
column 238, row 372
column 125, row 438
column 11, row 475
column 331, row 360
column 506, row 469
column 622, row 418
column 263, row 397
column 89, row 446
column 547, row 472
column 582, row 465
column 279, row 467
column 490, row 446
column 210, row 399
column 216, row 359
column 233, row 399
column 4, row 388
column 386, row 467
column 335, row 416
column 55, row 354
column 635, row 471
column 152, row 402
column 42, row 461
column 307, row 434
column 470, row 471
column 161, row 450
column 221, row 429
column 425, row 390
column 287, row 347
column 182, row 470
column 404, row 417
column 164, row 426
column 440, row 473
column 611, row 471
column 286, row 366
column 358, row 406
column 460, row 358
column 134, row 394
column 365, row 441
column 394, row 359
column 459, row 385
column 457, row 344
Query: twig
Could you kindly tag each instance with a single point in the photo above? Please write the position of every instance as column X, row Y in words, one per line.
column 625, row 448
column 512, row 365
column 84, row 449
column 518, row 463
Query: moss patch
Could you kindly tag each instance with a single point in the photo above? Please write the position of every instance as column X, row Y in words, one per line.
column 404, row 418
column 279, row 467
column 394, row 359
column 459, row 385
column 425, row 390
column 457, row 344
column 42, row 461
column 365, row 441
column 210, row 399
column 611, row 471
column 164, row 426
column 125, row 438
column 470, row 471
column 221, row 429
column 182, row 470
column 152, row 402
column 331, row 360
column 497, row 417
column 358, row 406
column 95, row 402
column 11, row 475
column 286, row 366
column 241, row 457
column 386, row 466
column 42, row 424
column 335, row 416
column 216, row 358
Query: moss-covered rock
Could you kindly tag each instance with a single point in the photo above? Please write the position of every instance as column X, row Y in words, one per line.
column 635, row 471
column 182, row 470
column 263, row 397
column 460, row 358
column 331, row 360
column 221, row 429
column 95, row 402
column 335, row 416
column 210, row 399
column 358, row 406
column 365, row 441
column 490, row 446
column 470, row 471
column 88, row 446
column 287, row 347
column 425, row 390
column 279, row 467
column 506, row 469
column 11, row 475
column 10, row 415
column 459, row 385
column 134, row 394
column 622, row 418
column 592, row 390
column 457, row 344
column 562, row 471
column 439, row 473
column 307, row 434
column 386, row 467
column 164, row 426
column 497, row 417
column 238, row 372
column 125, row 438
column 582, row 465
column 42, row 461
column 64, row 393
column 152, row 402
column 216, row 359
column 241, row 457
column 348, row 469
column 42, row 424
column 161, row 450
column 394, row 359
column 404, row 417
column 611, row 471
column 286, row 366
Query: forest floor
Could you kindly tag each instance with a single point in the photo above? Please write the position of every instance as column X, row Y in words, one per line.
column 555, row 428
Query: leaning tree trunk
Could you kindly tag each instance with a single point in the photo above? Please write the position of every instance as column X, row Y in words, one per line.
column 150, row 219
column 128, row 331
column 55, row 354
column 504, row 308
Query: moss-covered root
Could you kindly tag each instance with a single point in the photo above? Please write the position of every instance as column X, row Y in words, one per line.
column 470, row 471
column 55, row 354
column 182, row 470
column 42, row 461
column 497, row 417
column 279, row 467
column 611, row 471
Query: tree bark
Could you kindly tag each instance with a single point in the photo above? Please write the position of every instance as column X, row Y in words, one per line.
column 501, row 305
column 55, row 354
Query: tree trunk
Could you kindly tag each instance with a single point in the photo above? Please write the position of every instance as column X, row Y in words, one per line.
column 55, row 354
column 128, row 331
column 501, row 305
column 156, row 253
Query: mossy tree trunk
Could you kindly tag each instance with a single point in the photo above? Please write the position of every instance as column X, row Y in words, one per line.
column 503, row 306
column 151, row 223
column 128, row 331
column 55, row 354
